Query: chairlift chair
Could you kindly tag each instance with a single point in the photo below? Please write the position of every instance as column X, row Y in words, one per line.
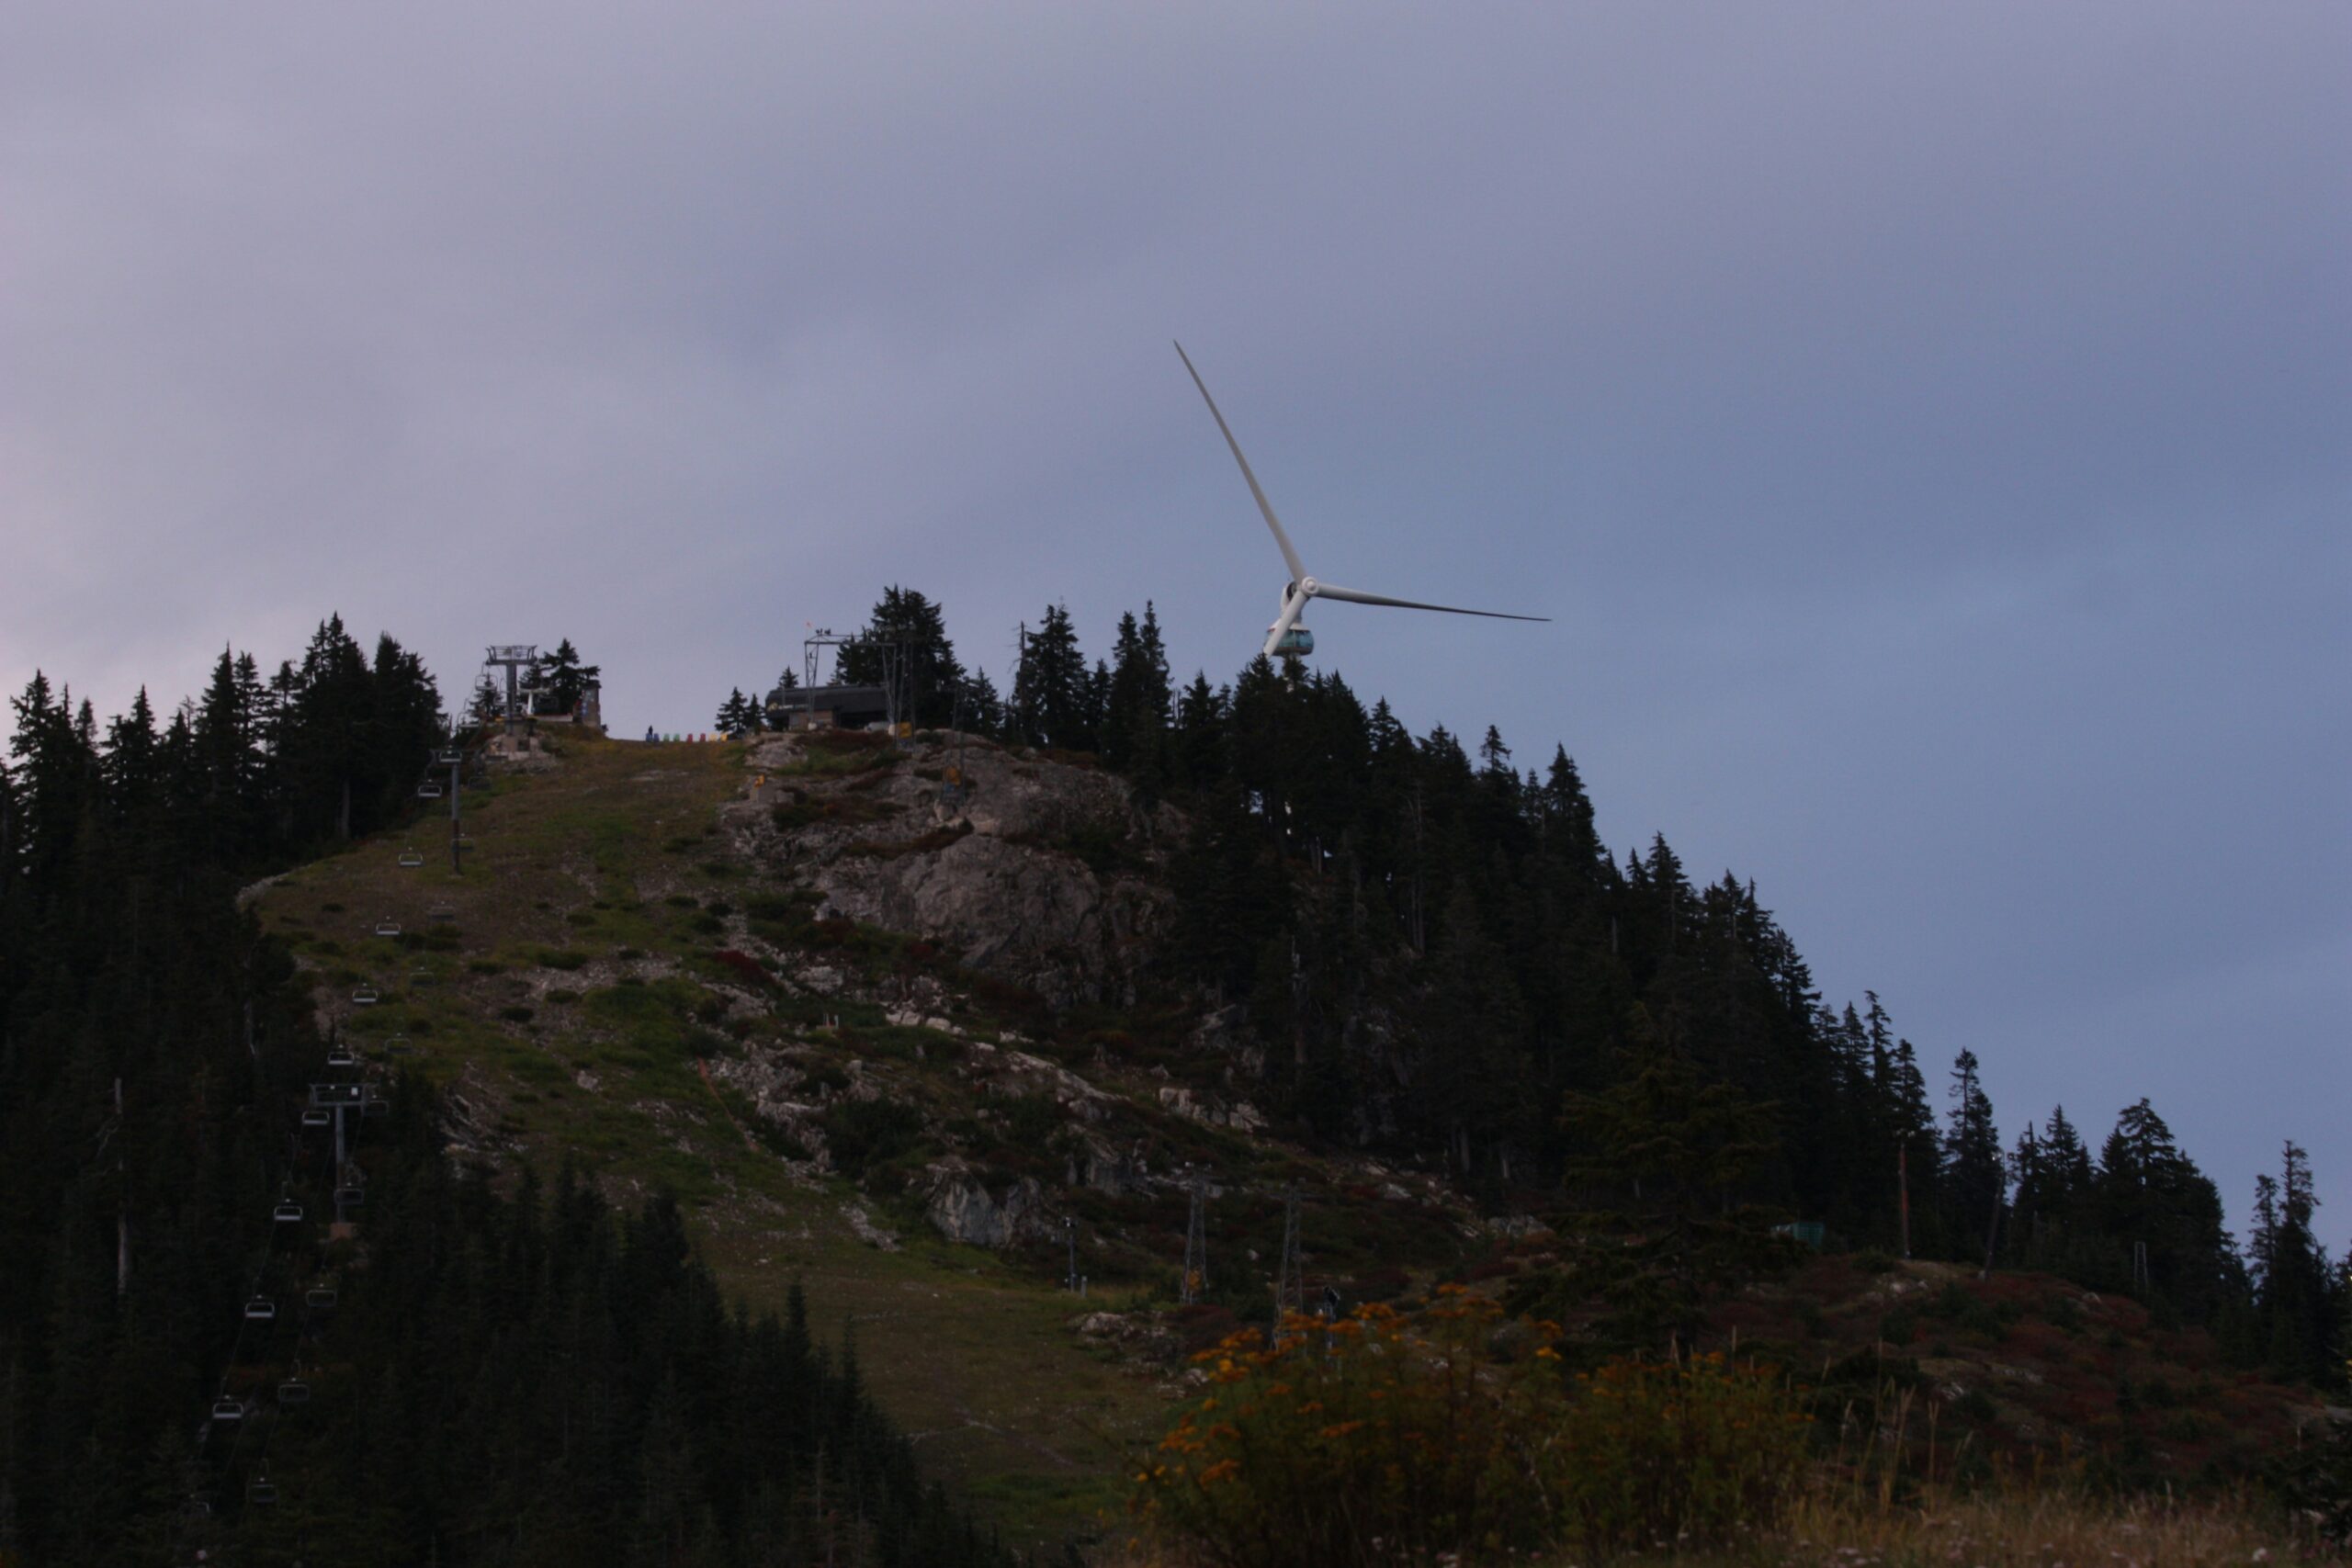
column 449, row 758
column 420, row 975
column 364, row 996
column 227, row 1409
column 287, row 1213
column 317, row 1119
column 261, row 1489
column 350, row 1197
column 341, row 1059
column 397, row 1045
column 319, row 1298
column 387, row 927
column 428, row 790
column 293, row 1391
column 410, row 858
column 261, row 1309
column 440, row 914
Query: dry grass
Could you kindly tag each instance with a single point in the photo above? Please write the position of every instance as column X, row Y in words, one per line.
column 2042, row 1531
column 2007, row 1530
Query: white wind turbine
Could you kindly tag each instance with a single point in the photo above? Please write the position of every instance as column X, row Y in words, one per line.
column 1287, row 637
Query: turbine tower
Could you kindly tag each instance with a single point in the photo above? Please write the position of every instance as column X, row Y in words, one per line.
column 1288, row 637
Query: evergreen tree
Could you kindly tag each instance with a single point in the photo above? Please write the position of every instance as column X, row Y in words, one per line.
column 1975, row 1178
column 2294, row 1284
column 1660, row 1164
column 2148, row 1199
column 1050, row 686
column 564, row 679
column 1136, row 706
column 904, row 647
column 733, row 713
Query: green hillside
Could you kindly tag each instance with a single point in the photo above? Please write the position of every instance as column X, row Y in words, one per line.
column 563, row 1002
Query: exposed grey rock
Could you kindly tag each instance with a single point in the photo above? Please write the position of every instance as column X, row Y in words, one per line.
column 1211, row 1110
column 862, row 1226
column 993, row 880
column 1034, row 916
column 1098, row 1163
column 961, row 1208
column 1021, row 1073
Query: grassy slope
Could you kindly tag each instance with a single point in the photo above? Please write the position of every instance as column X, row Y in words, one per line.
column 586, row 864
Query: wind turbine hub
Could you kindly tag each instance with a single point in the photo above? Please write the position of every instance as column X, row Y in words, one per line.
column 1308, row 586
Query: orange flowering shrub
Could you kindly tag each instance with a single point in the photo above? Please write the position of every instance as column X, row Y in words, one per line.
column 1386, row 1438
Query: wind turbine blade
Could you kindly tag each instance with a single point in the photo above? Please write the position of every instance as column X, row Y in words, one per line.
column 1349, row 595
column 1291, row 612
column 1290, row 555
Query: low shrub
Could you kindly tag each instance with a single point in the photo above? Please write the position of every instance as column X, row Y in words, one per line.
column 1386, row 1438
column 746, row 967
column 866, row 1133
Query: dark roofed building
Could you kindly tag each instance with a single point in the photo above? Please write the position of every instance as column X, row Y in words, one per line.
column 827, row 708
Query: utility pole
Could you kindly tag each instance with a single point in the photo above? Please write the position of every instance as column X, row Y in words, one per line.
column 1290, row 1274
column 1903, row 1191
column 456, row 761
column 1196, row 1243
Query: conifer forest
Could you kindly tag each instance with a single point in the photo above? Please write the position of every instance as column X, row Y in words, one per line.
column 1432, row 954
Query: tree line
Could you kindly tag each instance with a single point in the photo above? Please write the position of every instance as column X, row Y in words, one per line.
column 1435, row 952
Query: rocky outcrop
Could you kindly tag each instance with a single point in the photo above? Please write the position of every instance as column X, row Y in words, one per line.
column 961, row 1208
column 988, row 869
column 1033, row 916
column 1213, row 1111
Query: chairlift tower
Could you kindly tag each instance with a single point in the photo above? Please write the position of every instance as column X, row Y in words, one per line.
column 818, row 637
column 1196, row 1242
column 513, row 658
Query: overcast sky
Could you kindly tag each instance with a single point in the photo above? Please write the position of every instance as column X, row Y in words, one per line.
column 1930, row 428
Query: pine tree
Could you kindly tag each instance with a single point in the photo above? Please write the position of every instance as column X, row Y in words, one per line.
column 904, row 647
column 1050, row 685
column 2294, row 1284
column 1659, row 1162
column 2148, row 1197
column 1135, row 717
column 1974, row 1180
column 564, row 679
column 731, row 716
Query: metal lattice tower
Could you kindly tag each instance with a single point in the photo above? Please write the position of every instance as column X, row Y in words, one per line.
column 1290, row 1275
column 1196, row 1241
